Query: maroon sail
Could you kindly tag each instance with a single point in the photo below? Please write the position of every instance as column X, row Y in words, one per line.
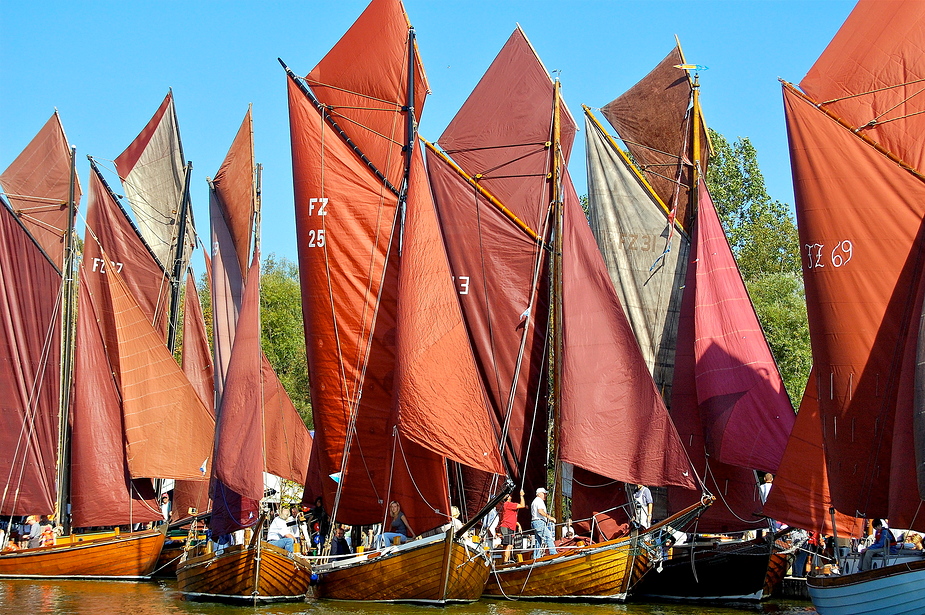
column 37, row 185
column 654, row 120
column 30, row 352
column 743, row 404
column 102, row 492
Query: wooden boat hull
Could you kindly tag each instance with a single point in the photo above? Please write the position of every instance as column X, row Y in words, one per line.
column 890, row 590
column 777, row 570
column 604, row 571
column 236, row 575
column 439, row 571
column 728, row 573
column 125, row 556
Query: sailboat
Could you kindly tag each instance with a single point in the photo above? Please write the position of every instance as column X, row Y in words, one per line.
column 258, row 428
column 506, row 203
column 854, row 126
column 394, row 387
column 671, row 263
column 124, row 381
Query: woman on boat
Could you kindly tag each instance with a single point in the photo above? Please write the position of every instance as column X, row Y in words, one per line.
column 398, row 528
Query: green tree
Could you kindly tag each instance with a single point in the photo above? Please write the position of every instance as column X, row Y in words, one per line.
column 763, row 235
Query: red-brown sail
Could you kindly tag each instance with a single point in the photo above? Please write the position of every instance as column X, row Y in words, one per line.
column 238, row 445
column 504, row 141
column 602, row 405
column 287, row 442
column 30, row 352
column 102, row 492
column 109, row 229
column 870, row 76
column 37, row 186
column 197, row 357
column 233, row 187
column 863, row 285
column 800, row 496
column 744, row 407
column 168, row 430
column 437, row 385
column 653, row 119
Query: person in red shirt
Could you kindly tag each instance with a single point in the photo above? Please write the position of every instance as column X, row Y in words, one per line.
column 508, row 525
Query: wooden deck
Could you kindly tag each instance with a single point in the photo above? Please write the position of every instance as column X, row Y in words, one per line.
column 604, row 571
column 237, row 575
column 436, row 571
column 130, row 555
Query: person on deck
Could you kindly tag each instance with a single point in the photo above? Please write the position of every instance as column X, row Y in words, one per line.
column 643, row 498
column 883, row 540
column 508, row 525
column 339, row 545
column 541, row 520
column 280, row 532
column 398, row 527
column 765, row 487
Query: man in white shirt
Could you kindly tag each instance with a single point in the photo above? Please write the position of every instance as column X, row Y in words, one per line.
column 643, row 499
column 765, row 488
column 541, row 520
column 280, row 534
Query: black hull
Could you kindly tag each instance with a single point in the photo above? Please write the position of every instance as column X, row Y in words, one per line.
column 723, row 574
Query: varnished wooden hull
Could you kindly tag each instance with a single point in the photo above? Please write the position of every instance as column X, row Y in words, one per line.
column 125, row 556
column 235, row 575
column 439, row 571
column 735, row 572
column 777, row 570
column 604, row 571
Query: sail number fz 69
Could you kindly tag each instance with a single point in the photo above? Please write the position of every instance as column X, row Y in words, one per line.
column 819, row 256
column 316, row 207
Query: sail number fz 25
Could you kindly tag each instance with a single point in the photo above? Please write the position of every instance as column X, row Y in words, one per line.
column 819, row 256
column 316, row 207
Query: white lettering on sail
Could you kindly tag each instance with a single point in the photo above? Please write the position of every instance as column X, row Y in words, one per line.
column 838, row 257
column 322, row 207
column 99, row 265
column 462, row 284
column 316, row 238
column 842, row 253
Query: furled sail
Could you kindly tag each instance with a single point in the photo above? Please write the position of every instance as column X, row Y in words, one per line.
column 863, row 281
column 640, row 244
column 153, row 173
column 30, row 356
column 353, row 139
column 37, row 186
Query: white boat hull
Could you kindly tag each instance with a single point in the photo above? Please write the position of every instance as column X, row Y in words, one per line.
column 891, row 590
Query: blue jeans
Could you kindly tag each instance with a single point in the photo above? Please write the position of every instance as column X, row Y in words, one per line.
column 385, row 540
column 544, row 538
column 285, row 543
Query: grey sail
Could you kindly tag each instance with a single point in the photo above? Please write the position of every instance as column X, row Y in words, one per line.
column 645, row 256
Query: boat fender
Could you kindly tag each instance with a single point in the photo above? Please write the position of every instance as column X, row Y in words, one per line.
column 314, row 579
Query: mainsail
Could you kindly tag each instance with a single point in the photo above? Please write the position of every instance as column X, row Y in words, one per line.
column 355, row 171
column 857, row 156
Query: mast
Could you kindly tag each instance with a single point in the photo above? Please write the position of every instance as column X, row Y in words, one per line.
column 695, row 126
column 556, row 291
column 69, row 282
column 178, row 264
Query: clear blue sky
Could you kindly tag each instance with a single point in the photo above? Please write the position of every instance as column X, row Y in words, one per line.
column 106, row 65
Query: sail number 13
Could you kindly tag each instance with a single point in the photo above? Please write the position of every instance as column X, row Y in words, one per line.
column 316, row 207
column 817, row 256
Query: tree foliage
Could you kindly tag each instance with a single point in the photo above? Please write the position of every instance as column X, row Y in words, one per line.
column 763, row 235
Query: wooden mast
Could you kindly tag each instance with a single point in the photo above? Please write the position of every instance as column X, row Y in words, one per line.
column 178, row 264
column 556, row 312
column 68, row 328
